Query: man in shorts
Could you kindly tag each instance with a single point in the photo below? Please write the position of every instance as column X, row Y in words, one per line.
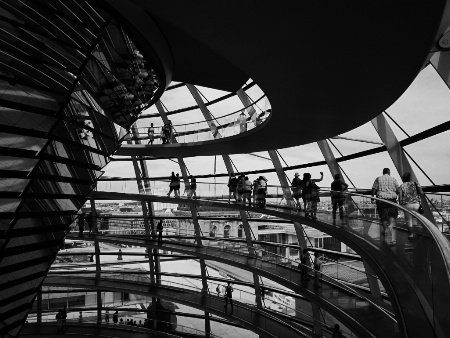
column 386, row 187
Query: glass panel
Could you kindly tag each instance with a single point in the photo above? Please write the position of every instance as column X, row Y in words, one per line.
column 12, row 117
column 9, row 204
column 13, row 184
column 15, row 163
column 21, row 142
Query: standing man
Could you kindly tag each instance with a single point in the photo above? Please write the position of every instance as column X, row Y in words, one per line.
column 386, row 187
column 232, row 187
column 107, row 316
column 159, row 227
column 296, row 188
column 151, row 134
column 229, row 297
column 116, row 317
column 337, row 197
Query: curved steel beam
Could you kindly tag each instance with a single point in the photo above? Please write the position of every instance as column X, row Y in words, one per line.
column 249, row 317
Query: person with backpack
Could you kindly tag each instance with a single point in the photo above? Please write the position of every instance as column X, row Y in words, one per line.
column 337, row 197
column 311, row 192
column 228, row 297
column 247, row 191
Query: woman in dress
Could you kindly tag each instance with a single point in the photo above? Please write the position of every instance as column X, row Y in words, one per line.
column 409, row 197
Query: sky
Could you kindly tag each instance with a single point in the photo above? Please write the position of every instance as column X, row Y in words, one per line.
column 425, row 104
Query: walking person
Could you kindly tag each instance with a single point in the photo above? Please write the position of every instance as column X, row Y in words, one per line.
column 409, row 197
column 80, row 225
column 337, row 197
column 296, row 187
column 80, row 317
column 229, row 297
column 151, row 134
column 311, row 191
column 172, row 184
column 317, row 270
column 247, row 191
column 386, row 188
column 192, row 187
column 177, row 186
column 232, row 187
column 305, row 261
column 159, row 228
column 115, row 317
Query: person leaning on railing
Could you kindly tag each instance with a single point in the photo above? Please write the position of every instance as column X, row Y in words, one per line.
column 386, row 187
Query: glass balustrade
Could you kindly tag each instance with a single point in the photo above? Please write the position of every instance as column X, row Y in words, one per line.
column 228, row 125
column 404, row 234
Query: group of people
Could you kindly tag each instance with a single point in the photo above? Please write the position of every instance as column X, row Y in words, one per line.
column 308, row 191
column 82, row 220
column 305, row 265
column 61, row 320
column 227, row 295
column 175, row 184
column 409, row 195
column 166, row 133
column 243, row 190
